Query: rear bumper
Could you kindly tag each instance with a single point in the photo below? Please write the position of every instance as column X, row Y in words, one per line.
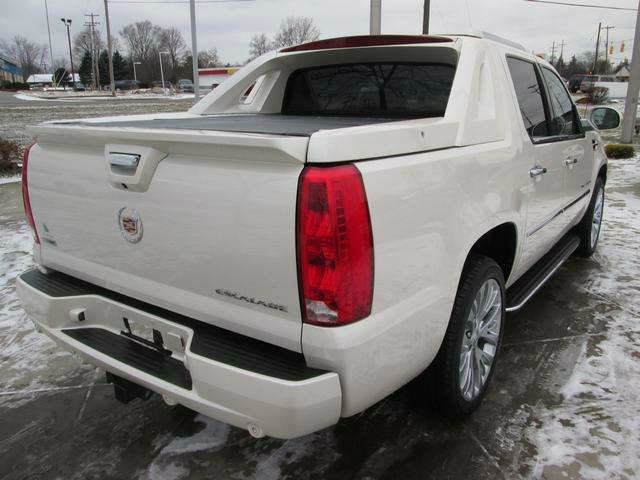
column 235, row 379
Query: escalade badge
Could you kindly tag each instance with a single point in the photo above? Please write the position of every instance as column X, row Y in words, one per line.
column 130, row 225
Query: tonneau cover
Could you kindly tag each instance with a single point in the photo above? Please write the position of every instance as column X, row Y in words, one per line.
column 272, row 124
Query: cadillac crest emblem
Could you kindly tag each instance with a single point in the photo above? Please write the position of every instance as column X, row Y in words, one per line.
column 130, row 224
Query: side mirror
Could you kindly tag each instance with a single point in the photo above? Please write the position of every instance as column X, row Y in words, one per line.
column 605, row 118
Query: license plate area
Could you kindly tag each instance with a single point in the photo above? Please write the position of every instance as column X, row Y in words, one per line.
column 147, row 330
column 145, row 335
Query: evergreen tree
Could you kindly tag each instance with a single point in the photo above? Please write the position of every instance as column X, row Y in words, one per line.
column 85, row 69
column 103, row 66
column 561, row 67
column 575, row 67
column 120, row 67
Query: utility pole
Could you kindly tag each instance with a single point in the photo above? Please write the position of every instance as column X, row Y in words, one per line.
column 95, row 69
column 46, row 11
column 67, row 23
column 562, row 45
column 553, row 52
column 633, row 89
column 194, row 51
column 606, row 55
column 375, row 20
column 135, row 77
column 425, row 17
column 595, row 60
column 162, row 72
column 109, row 48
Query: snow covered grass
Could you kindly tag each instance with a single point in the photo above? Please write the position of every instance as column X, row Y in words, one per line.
column 105, row 96
column 593, row 433
column 11, row 179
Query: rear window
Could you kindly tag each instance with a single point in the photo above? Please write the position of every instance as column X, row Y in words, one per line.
column 370, row 89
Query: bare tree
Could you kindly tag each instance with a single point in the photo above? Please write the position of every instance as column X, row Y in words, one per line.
column 141, row 40
column 82, row 43
column 27, row 54
column 259, row 45
column 209, row 58
column 296, row 30
column 59, row 63
column 170, row 40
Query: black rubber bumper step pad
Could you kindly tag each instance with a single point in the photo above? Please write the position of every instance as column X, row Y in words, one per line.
column 208, row 341
column 133, row 354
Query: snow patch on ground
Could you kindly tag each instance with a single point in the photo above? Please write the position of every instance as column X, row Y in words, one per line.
column 210, row 439
column 593, row 433
column 12, row 179
column 122, row 96
column 25, row 96
column 29, row 360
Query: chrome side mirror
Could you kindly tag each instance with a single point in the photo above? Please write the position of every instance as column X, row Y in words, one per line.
column 605, row 118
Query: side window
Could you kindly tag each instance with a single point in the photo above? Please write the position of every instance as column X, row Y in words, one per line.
column 529, row 94
column 564, row 120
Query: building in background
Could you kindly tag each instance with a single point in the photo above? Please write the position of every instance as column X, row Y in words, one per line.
column 212, row 77
column 623, row 74
column 9, row 71
column 42, row 80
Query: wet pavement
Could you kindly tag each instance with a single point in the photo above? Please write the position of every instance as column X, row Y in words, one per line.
column 564, row 403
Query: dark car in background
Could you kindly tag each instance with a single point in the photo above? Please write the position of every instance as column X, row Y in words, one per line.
column 185, row 85
column 574, row 82
column 127, row 84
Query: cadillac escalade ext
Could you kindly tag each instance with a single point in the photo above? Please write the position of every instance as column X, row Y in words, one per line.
column 334, row 220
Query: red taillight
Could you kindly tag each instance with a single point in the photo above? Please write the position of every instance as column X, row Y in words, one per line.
column 335, row 246
column 25, row 193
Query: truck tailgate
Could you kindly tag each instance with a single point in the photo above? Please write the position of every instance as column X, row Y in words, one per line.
column 205, row 227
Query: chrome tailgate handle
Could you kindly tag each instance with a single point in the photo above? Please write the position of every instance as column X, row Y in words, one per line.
column 131, row 167
column 127, row 161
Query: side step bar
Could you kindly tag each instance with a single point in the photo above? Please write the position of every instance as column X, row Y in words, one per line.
column 526, row 287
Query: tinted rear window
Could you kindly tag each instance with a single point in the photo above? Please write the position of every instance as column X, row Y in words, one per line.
column 370, row 89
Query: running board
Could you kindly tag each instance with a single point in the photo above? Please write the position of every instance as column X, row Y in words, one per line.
column 526, row 287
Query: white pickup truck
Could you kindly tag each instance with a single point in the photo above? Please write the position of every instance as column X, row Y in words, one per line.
column 332, row 221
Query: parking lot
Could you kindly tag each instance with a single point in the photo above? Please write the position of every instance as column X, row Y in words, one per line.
column 564, row 403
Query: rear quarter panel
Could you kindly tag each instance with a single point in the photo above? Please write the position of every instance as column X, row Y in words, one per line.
column 427, row 211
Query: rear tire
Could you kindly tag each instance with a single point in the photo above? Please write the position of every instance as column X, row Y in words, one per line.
column 588, row 229
column 463, row 368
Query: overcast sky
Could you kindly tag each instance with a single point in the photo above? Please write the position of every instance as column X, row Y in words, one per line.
column 229, row 26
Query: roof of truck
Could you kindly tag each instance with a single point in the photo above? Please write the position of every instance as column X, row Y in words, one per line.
column 388, row 40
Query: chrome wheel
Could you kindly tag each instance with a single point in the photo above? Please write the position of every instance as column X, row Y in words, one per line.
column 480, row 339
column 596, row 221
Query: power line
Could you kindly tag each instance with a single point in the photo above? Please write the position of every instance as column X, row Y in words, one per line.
column 567, row 4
